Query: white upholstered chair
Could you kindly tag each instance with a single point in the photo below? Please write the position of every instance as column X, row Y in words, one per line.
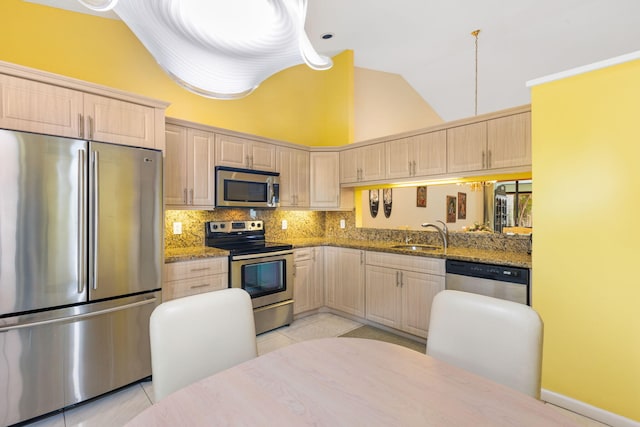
column 199, row 335
column 498, row 339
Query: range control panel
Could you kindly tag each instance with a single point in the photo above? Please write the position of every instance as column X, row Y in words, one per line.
column 234, row 226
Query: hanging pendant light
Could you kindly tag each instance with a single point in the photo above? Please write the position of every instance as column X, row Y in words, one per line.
column 219, row 48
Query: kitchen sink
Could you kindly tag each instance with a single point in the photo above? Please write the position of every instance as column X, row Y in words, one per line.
column 417, row 247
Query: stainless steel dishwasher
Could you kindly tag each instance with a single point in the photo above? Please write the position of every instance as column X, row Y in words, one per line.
column 499, row 281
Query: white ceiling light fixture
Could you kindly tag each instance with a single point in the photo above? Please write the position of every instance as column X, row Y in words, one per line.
column 219, row 48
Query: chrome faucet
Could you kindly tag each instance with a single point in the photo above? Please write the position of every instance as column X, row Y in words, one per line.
column 442, row 231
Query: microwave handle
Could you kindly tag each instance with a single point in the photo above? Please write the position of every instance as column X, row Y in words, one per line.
column 274, row 193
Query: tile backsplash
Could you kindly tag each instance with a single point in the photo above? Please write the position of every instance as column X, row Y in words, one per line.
column 307, row 224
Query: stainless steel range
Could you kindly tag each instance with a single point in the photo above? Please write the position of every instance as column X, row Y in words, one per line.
column 264, row 269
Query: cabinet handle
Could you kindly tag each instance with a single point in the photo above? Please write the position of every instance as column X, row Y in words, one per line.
column 201, row 269
column 397, row 279
column 488, row 158
column 184, row 197
column 80, row 126
column 191, row 195
column 361, row 257
column 414, row 168
column 90, row 127
column 295, row 270
column 251, row 164
column 483, row 160
column 246, row 161
column 204, row 285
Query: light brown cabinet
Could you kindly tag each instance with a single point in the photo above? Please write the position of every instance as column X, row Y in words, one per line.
column 497, row 143
column 362, row 164
column 34, row 106
column 324, row 179
column 418, row 155
column 400, row 289
column 237, row 152
column 308, row 279
column 293, row 166
column 189, row 167
column 344, row 280
column 194, row 277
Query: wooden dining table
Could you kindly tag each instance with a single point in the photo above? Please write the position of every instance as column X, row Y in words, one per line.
column 348, row 382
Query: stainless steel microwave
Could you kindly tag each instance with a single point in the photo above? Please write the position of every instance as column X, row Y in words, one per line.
column 246, row 188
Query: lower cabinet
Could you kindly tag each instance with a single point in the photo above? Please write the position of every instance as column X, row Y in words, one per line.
column 194, row 277
column 400, row 289
column 344, row 280
column 308, row 279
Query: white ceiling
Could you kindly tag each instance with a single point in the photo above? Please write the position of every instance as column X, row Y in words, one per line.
column 429, row 42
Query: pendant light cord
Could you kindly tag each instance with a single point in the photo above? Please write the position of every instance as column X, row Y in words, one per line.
column 475, row 34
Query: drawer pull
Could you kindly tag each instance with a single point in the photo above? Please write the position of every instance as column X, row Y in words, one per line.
column 201, row 269
column 204, row 285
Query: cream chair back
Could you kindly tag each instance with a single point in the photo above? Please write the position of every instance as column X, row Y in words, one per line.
column 498, row 339
column 199, row 335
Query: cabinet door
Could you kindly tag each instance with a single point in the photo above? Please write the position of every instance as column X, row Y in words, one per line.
column 324, row 180
column 120, row 122
column 317, row 277
column 509, row 141
column 262, row 156
column 399, row 158
column 383, row 296
column 175, row 165
column 344, row 278
column 293, row 166
column 37, row 107
column 349, row 166
column 232, row 151
column 466, row 147
column 302, row 286
column 200, row 167
column 430, row 153
column 373, row 165
column 418, row 291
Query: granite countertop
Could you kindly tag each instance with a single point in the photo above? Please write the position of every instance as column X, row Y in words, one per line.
column 514, row 259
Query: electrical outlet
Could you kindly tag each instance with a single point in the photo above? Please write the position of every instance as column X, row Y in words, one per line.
column 284, row 224
column 177, row 228
column 342, row 223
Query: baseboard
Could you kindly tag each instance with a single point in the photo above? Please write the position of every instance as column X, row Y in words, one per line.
column 589, row 411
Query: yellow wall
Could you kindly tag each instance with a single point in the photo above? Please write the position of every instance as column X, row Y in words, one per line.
column 586, row 170
column 297, row 105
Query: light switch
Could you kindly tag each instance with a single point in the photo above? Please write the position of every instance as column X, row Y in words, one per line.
column 284, row 224
column 177, row 228
column 342, row 223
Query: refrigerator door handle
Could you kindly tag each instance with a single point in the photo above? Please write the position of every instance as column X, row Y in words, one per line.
column 81, row 220
column 96, row 220
column 77, row 317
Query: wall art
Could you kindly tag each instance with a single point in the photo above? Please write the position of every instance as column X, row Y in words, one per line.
column 451, row 208
column 462, row 205
column 374, row 202
column 387, row 201
column 421, row 196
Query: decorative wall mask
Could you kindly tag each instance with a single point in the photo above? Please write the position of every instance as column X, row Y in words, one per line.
column 387, row 200
column 374, row 202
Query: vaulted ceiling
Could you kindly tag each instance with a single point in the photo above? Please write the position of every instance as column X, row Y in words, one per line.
column 429, row 43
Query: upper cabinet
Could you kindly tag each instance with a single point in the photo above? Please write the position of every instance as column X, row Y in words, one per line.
column 293, row 166
column 509, row 141
column 44, row 103
column 503, row 142
column 362, row 164
column 325, row 179
column 245, row 153
column 467, row 147
column 188, row 167
column 419, row 155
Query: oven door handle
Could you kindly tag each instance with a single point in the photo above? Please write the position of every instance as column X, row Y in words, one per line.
column 260, row 255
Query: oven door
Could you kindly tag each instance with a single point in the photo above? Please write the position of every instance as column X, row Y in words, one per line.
column 267, row 277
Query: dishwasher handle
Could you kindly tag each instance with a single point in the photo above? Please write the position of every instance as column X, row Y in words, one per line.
column 500, row 273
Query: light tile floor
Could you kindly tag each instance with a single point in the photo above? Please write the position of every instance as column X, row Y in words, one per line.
column 116, row 408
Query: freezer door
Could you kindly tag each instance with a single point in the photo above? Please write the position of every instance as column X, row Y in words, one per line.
column 41, row 221
column 125, row 204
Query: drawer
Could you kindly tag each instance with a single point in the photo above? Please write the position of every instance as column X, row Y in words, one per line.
column 303, row 254
column 196, row 268
column 198, row 285
column 419, row 264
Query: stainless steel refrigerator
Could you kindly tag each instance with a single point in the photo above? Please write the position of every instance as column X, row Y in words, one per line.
column 80, row 269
